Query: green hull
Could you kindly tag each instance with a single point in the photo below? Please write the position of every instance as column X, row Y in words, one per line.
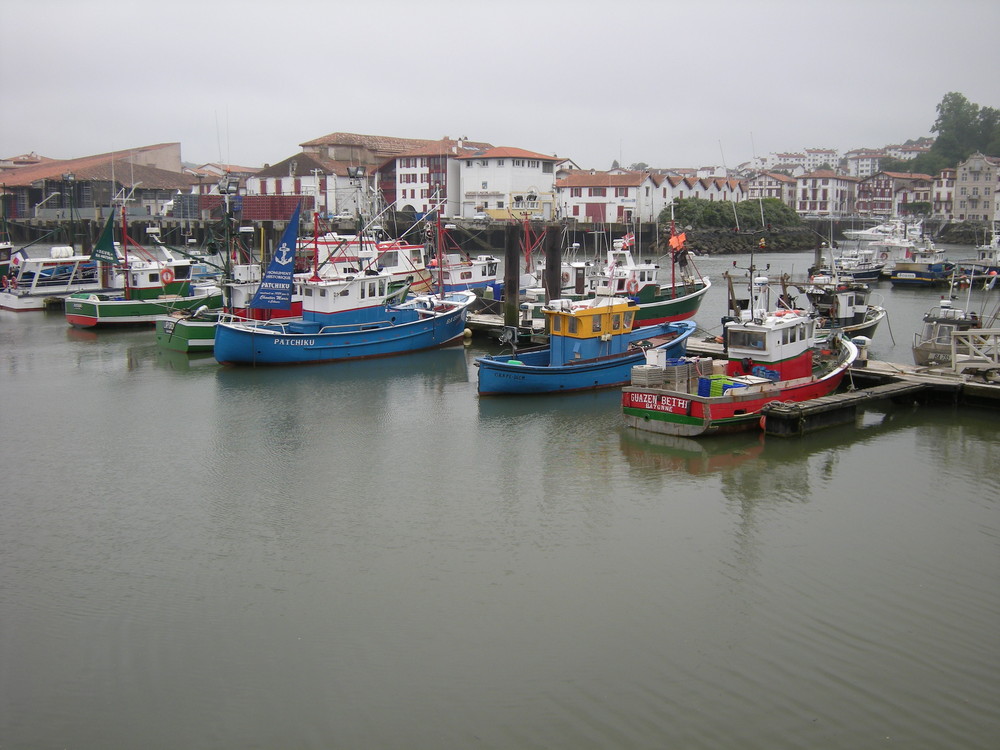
column 185, row 334
column 91, row 310
column 654, row 310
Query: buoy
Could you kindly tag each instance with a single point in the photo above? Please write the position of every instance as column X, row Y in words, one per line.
column 467, row 333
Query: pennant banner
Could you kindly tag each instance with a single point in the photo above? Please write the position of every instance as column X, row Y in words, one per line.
column 275, row 290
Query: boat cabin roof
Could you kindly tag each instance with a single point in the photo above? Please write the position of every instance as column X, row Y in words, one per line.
column 590, row 318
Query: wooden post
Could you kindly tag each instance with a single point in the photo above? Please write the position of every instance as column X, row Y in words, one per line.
column 511, row 274
column 552, row 281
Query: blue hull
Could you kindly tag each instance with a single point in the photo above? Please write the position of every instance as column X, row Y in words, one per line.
column 530, row 372
column 300, row 342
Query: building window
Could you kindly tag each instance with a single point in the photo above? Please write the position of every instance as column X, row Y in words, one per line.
column 576, row 192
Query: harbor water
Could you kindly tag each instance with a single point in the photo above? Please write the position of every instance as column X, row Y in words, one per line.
column 368, row 555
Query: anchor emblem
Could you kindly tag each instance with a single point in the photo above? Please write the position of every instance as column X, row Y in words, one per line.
column 284, row 255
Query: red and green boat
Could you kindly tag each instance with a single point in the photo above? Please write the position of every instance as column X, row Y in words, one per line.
column 767, row 356
column 140, row 286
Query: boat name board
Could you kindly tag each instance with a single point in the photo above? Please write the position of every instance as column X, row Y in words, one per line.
column 656, row 402
column 294, row 342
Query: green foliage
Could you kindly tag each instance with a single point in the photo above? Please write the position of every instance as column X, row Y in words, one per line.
column 699, row 213
column 963, row 128
column 917, row 208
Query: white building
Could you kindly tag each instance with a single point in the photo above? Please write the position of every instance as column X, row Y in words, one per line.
column 612, row 197
column 428, row 177
column 818, row 158
column 825, row 193
column 506, row 183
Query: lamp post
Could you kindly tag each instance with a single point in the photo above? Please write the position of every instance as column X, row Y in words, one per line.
column 44, row 200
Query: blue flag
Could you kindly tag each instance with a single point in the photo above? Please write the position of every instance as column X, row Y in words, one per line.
column 275, row 290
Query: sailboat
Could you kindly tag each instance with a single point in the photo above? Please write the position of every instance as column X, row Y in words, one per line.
column 142, row 286
column 344, row 316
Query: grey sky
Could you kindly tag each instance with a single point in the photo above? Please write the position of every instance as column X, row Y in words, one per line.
column 668, row 83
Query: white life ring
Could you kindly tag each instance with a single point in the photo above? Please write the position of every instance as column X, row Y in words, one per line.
column 166, row 275
column 565, row 277
column 884, row 256
column 632, row 286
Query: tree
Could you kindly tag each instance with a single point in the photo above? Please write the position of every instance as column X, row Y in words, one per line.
column 963, row 128
column 699, row 213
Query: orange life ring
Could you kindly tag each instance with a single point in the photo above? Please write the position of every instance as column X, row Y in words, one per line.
column 632, row 286
column 166, row 275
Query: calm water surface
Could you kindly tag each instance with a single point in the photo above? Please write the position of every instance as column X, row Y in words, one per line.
column 366, row 555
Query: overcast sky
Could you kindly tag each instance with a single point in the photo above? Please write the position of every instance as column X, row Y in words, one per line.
column 672, row 84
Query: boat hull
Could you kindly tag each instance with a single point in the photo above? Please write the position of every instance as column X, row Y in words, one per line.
column 690, row 415
column 94, row 310
column 280, row 344
column 668, row 310
column 185, row 334
column 530, row 372
column 932, row 276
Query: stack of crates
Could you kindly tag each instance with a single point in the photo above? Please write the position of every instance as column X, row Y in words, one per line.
column 647, row 376
column 711, row 385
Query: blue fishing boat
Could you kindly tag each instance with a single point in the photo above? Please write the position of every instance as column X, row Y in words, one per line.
column 592, row 345
column 924, row 266
column 344, row 316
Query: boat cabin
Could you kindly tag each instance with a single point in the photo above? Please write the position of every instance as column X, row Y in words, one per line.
column 590, row 328
column 776, row 347
column 350, row 298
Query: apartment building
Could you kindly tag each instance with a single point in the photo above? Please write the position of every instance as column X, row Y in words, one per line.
column 977, row 181
column 825, row 193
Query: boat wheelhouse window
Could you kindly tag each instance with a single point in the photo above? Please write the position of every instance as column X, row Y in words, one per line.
column 616, row 322
column 389, row 259
column 182, row 272
column 595, row 324
column 556, row 323
column 345, row 292
column 465, row 275
column 747, row 339
column 628, row 319
column 491, row 269
column 572, row 326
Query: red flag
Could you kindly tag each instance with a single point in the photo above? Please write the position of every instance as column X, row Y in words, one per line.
column 677, row 241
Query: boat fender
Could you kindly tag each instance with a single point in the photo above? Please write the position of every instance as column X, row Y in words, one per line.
column 747, row 364
column 13, row 282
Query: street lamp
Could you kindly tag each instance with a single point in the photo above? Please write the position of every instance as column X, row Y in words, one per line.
column 44, row 201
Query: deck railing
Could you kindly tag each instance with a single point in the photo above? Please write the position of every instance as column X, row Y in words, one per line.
column 975, row 349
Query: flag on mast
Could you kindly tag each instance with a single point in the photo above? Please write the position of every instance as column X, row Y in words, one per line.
column 104, row 250
column 275, row 290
